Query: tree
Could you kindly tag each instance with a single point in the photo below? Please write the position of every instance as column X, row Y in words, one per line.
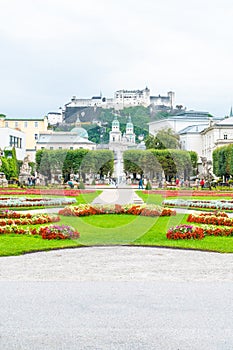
column 165, row 138
column 222, row 161
column 155, row 162
column 104, row 162
column 132, row 160
column 80, row 161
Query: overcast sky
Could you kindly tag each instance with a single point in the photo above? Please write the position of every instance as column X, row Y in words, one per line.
column 52, row 50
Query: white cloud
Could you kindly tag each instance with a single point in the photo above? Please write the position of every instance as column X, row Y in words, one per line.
column 61, row 48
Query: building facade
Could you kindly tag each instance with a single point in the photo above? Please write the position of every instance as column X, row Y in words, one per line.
column 182, row 121
column 131, row 98
column 117, row 140
column 216, row 135
column 55, row 118
column 191, row 138
column 76, row 139
column 31, row 127
column 11, row 138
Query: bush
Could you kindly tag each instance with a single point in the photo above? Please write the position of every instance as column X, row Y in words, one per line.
column 81, row 186
column 148, row 186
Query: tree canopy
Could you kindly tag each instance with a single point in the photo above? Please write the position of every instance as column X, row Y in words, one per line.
column 223, row 161
column 153, row 163
column 164, row 139
column 74, row 161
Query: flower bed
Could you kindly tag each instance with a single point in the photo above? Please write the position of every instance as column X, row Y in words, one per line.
column 33, row 220
column 185, row 232
column 10, row 222
column 209, row 204
column 5, row 213
column 210, row 219
column 189, row 193
column 34, row 202
column 41, row 191
column 144, row 210
column 58, row 232
column 194, row 232
column 46, row 232
column 199, row 232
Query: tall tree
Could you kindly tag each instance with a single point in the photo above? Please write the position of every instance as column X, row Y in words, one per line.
column 164, row 139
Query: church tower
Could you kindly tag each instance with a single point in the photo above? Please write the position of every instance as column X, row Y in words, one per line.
column 231, row 114
column 129, row 134
column 115, row 134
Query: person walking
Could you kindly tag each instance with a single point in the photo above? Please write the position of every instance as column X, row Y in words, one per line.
column 202, row 183
column 140, row 184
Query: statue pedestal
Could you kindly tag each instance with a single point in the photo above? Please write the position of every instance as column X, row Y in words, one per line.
column 3, row 180
column 23, row 178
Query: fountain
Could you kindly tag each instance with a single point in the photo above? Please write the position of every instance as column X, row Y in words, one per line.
column 119, row 170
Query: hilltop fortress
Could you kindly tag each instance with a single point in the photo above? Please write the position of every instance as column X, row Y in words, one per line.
column 123, row 99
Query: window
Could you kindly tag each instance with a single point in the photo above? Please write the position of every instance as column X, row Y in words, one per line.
column 51, row 147
column 25, row 124
column 36, row 136
column 36, row 124
column 42, row 147
column 59, row 147
column 16, row 124
column 225, row 136
column 6, row 124
column 11, row 141
column 71, row 147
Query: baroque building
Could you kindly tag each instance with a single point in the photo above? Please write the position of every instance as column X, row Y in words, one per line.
column 117, row 140
column 31, row 127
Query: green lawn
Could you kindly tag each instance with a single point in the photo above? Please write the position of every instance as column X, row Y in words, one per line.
column 81, row 199
column 115, row 230
column 87, row 197
column 20, row 244
column 154, row 198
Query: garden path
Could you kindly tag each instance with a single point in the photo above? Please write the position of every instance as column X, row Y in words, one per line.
column 121, row 195
column 116, row 298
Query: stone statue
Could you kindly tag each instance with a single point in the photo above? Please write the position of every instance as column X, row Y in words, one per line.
column 25, row 171
column 25, row 168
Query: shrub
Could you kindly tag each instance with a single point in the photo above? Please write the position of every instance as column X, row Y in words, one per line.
column 148, row 186
column 81, row 186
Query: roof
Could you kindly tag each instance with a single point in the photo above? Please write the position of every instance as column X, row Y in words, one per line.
column 81, row 132
column 193, row 129
column 62, row 137
column 226, row 121
column 132, row 91
column 25, row 118
column 160, row 97
column 187, row 117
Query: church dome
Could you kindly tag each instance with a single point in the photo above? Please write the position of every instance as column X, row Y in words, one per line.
column 115, row 122
column 129, row 124
column 81, row 132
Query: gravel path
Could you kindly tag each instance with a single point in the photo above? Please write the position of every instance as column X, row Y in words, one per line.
column 129, row 298
column 118, row 264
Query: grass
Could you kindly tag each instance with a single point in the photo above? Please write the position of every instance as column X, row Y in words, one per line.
column 81, row 199
column 17, row 244
column 154, row 198
column 87, row 197
column 115, row 229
